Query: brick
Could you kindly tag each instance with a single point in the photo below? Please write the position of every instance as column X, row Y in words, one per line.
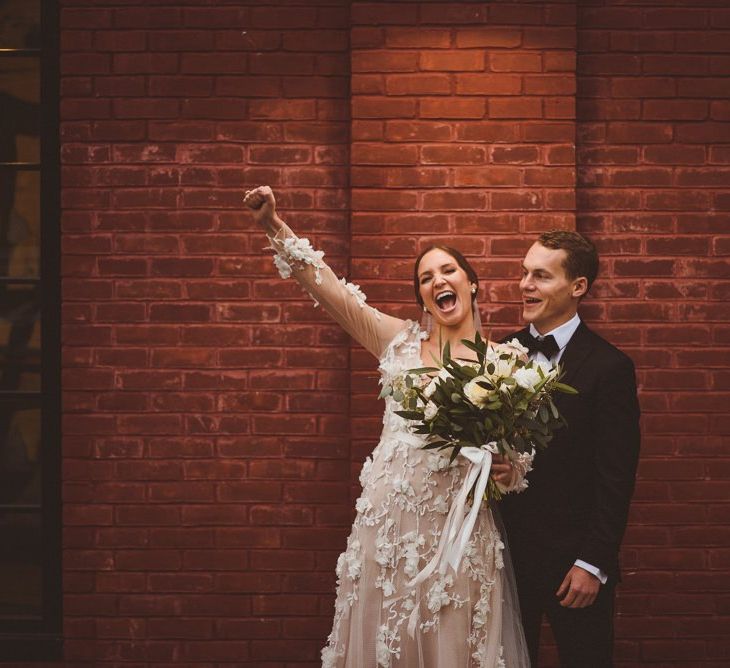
column 683, row 19
column 552, row 37
column 479, row 37
column 675, row 110
column 639, row 133
column 362, row 37
column 514, row 155
column 509, row 107
column 417, row 84
column 677, row 64
column 384, row 61
column 144, row 63
column 416, row 38
column 383, row 107
column 488, row 84
column 448, row 108
column 516, row 201
column 515, row 62
column 516, row 13
column 454, row 201
column 382, row 154
column 606, row 64
column 452, row 61
column 151, row 17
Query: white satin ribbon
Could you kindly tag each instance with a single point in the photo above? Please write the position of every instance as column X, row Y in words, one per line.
column 458, row 527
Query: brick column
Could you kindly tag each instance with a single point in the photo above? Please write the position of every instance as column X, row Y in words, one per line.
column 462, row 133
column 654, row 192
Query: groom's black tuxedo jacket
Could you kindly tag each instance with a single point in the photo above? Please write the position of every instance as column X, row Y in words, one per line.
column 577, row 500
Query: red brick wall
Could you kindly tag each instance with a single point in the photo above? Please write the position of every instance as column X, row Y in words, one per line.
column 206, row 450
column 654, row 192
column 212, row 432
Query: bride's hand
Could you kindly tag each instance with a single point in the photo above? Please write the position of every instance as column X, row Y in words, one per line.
column 501, row 470
column 263, row 206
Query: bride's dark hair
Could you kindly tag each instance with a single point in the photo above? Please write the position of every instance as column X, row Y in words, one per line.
column 460, row 260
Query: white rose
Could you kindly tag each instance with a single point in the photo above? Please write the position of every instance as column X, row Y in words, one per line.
column 478, row 395
column 515, row 343
column 502, row 369
column 430, row 411
column 527, row 378
column 430, row 389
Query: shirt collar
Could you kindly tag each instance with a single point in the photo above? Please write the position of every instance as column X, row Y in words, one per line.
column 562, row 333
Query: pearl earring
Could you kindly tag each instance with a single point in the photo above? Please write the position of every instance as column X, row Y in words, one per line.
column 473, row 291
column 425, row 310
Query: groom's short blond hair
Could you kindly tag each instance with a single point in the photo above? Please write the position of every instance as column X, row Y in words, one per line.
column 581, row 255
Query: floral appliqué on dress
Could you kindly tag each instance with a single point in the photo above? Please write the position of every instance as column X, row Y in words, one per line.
column 407, row 492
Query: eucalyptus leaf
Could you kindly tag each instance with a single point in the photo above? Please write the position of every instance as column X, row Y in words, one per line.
column 420, row 371
column 410, row 415
column 454, row 454
column 471, row 345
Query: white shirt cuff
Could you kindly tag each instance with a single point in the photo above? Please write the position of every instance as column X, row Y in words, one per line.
column 592, row 570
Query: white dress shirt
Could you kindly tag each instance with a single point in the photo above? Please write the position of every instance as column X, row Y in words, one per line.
column 562, row 335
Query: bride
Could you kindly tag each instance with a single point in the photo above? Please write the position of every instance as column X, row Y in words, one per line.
column 382, row 618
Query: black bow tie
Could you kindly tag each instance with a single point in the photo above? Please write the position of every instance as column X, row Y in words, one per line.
column 548, row 346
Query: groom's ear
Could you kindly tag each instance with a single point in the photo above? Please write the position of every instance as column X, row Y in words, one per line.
column 580, row 287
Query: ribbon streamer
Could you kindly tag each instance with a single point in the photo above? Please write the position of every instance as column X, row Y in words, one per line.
column 458, row 526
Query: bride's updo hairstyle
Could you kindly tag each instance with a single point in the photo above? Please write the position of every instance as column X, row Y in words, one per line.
column 460, row 260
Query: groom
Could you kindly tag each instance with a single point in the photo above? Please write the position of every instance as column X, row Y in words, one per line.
column 565, row 530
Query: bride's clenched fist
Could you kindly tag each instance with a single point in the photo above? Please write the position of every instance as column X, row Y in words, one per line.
column 263, row 206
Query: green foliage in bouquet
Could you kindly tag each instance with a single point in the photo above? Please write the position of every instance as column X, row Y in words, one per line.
column 501, row 397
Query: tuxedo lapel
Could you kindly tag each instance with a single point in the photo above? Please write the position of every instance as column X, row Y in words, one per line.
column 576, row 353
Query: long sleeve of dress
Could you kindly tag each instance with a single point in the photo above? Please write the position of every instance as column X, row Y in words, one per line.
column 343, row 301
column 521, row 466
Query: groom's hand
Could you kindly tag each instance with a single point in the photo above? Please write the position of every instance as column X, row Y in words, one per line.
column 578, row 589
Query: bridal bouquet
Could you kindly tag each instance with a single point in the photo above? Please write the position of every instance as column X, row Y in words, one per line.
column 501, row 403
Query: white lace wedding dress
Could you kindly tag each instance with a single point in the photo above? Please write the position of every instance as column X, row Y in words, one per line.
column 452, row 620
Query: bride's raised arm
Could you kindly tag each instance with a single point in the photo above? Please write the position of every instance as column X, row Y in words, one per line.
column 343, row 301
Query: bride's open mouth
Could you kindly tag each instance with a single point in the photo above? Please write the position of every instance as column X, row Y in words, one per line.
column 446, row 301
